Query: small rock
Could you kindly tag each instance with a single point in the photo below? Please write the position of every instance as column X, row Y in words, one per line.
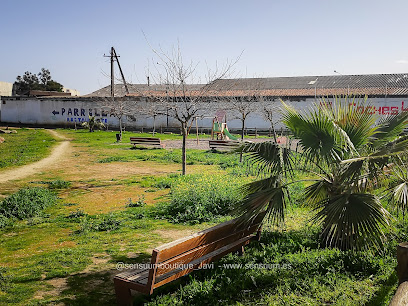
column 8, row 131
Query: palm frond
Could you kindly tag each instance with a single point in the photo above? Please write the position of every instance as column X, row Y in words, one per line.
column 389, row 128
column 263, row 195
column 395, row 148
column 317, row 192
column 321, row 139
column 398, row 187
column 353, row 116
column 352, row 221
column 269, row 157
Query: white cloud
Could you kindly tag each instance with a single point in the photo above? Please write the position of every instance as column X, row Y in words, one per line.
column 402, row 61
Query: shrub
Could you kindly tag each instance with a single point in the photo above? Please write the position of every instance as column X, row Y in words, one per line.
column 4, row 221
column 201, row 198
column 4, row 280
column 76, row 214
column 58, row 184
column 84, row 226
column 27, row 203
column 108, row 223
column 112, row 159
column 139, row 203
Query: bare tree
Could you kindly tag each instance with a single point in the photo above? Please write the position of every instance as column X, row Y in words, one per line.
column 152, row 110
column 269, row 112
column 174, row 95
column 242, row 104
column 118, row 107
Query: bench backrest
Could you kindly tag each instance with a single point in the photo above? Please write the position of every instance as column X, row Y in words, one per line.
column 144, row 139
column 185, row 250
column 223, row 143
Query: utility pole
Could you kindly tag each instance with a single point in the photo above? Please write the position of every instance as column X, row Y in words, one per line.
column 112, row 71
column 112, row 74
column 113, row 56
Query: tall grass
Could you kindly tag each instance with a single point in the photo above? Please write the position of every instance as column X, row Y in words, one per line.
column 201, row 198
column 27, row 203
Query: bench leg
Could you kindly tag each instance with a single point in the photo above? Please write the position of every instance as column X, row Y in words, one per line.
column 241, row 251
column 123, row 295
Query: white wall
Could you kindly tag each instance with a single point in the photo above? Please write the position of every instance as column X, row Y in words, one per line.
column 65, row 112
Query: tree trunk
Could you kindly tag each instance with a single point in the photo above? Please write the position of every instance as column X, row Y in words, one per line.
column 242, row 136
column 183, row 148
column 274, row 132
column 120, row 128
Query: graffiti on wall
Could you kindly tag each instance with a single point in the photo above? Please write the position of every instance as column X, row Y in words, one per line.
column 379, row 110
column 81, row 114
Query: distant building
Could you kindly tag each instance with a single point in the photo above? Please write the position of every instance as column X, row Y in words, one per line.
column 6, row 89
column 73, row 92
column 388, row 94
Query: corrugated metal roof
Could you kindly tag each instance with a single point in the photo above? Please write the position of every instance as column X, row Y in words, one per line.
column 370, row 84
column 120, row 90
column 330, row 81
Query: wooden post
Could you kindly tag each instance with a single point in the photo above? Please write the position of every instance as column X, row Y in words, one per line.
column 197, row 130
column 402, row 259
column 401, row 296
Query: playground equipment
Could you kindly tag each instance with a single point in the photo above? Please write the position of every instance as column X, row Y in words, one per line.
column 220, row 130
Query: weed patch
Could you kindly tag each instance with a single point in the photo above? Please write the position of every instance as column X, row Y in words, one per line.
column 58, row 184
column 139, row 203
column 112, row 159
column 201, row 198
column 27, row 203
column 4, row 280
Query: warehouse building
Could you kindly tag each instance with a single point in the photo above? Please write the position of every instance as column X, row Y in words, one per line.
column 388, row 94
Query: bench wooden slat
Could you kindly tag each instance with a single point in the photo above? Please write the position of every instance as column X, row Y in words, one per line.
column 223, row 144
column 130, row 273
column 139, row 276
column 146, row 141
column 217, row 254
column 207, row 236
column 200, row 251
column 144, row 138
column 178, row 258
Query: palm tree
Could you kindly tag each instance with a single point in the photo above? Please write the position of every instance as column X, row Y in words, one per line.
column 346, row 153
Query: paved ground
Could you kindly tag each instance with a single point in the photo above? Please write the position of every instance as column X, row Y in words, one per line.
column 202, row 144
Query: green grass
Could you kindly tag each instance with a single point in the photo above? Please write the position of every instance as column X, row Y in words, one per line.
column 66, row 243
column 27, row 146
column 104, row 148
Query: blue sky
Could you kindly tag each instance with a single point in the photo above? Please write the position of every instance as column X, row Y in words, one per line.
column 277, row 38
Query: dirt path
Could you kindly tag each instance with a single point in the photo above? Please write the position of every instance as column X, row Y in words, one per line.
column 57, row 155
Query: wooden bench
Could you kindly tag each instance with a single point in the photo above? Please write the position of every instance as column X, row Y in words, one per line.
column 223, row 144
column 178, row 258
column 146, row 141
